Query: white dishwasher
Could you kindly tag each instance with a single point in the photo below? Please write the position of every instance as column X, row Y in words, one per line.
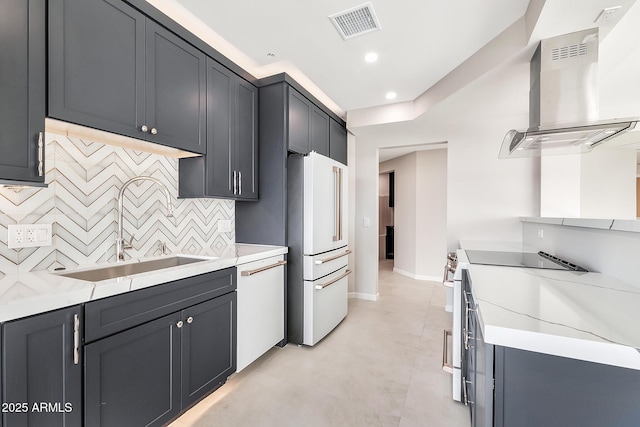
column 260, row 308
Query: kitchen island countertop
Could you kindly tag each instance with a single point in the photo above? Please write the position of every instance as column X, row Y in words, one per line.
column 584, row 316
column 26, row 294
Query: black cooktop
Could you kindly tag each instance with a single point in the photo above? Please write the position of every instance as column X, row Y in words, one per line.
column 521, row 259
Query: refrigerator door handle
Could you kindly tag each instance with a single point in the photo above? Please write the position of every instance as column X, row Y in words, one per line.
column 337, row 174
column 342, row 276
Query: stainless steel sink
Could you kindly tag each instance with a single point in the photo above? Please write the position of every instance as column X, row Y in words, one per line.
column 121, row 270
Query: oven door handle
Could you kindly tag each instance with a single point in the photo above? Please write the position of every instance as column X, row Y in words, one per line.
column 446, row 366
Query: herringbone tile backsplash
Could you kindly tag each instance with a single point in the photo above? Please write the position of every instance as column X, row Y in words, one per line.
column 81, row 203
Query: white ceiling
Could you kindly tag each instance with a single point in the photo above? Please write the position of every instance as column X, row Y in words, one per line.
column 422, row 46
column 420, row 41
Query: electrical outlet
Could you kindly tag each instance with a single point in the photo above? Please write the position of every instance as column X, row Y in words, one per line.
column 224, row 226
column 540, row 233
column 19, row 235
column 28, row 235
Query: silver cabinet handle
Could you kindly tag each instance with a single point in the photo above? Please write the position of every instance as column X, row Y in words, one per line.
column 261, row 269
column 446, row 366
column 154, row 131
column 144, row 128
column 235, row 182
column 348, row 272
column 179, row 324
column 40, row 153
column 240, row 183
column 76, row 339
column 322, row 261
column 189, row 319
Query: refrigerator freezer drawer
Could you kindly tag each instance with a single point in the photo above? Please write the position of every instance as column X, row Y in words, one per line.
column 325, row 305
column 317, row 266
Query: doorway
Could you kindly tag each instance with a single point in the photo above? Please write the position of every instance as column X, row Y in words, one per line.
column 386, row 227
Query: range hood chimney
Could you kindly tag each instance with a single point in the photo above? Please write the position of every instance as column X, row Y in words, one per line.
column 563, row 101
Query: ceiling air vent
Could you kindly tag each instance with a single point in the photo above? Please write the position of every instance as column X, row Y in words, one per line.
column 356, row 21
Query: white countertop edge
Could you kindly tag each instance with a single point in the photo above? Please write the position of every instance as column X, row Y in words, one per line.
column 80, row 291
column 573, row 348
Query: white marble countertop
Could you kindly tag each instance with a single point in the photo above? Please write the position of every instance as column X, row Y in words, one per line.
column 26, row 294
column 585, row 316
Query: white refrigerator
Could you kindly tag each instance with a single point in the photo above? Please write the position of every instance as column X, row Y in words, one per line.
column 317, row 283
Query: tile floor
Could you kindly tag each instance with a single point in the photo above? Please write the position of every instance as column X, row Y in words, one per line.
column 380, row 367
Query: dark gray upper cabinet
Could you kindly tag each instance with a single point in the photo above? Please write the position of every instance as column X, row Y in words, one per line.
column 299, row 114
column 42, row 364
column 22, row 89
column 229, row 170
column 308, row 126
column 319, row 131
column 337, row 142
column 113, row 69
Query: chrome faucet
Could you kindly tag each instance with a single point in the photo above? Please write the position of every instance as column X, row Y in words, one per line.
column 121, row 244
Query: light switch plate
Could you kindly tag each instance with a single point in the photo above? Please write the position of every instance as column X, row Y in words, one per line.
column 28, row 235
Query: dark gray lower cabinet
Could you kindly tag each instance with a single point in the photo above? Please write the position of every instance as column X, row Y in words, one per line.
column 146, row 374
column 130, row 377
column 42, row 370
column 534, row 389
column 509, row 387
column 208, row 347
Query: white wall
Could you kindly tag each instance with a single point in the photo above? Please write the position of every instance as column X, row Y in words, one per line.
column 610, row 252
column 404, row 258
column 431, row 209
column 420, row 213
column 485, row 195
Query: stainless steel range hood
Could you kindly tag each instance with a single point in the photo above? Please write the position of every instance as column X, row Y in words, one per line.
column 563, row 101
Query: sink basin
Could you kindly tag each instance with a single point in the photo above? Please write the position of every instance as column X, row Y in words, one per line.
column 120, row 270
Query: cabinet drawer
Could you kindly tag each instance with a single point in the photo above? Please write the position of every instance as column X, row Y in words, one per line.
column 114, row 314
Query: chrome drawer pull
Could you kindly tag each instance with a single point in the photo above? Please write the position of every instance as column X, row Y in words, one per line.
column 348, row 272
column 261, row 269
column 446, row 366
column 40, row 154
column 322, row 261
column 76, row 339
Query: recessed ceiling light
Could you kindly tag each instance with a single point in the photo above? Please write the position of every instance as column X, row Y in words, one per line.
column 391, row 95
column 371, row 57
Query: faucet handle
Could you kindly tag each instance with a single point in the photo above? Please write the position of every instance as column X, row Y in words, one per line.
column 129, row 245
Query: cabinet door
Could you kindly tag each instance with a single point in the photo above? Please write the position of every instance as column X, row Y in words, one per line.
column 96, row 65
column 220, row 94
column 208, row 346
column 175, row 91
column 133, row 378
column 319, row 131
column 22, row 88
column 42, row 368
column 337, row 142
column 299, row 114
column 245, row 156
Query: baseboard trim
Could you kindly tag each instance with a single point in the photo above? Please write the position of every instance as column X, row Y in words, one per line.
column 417, row 276
column 361, row 295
